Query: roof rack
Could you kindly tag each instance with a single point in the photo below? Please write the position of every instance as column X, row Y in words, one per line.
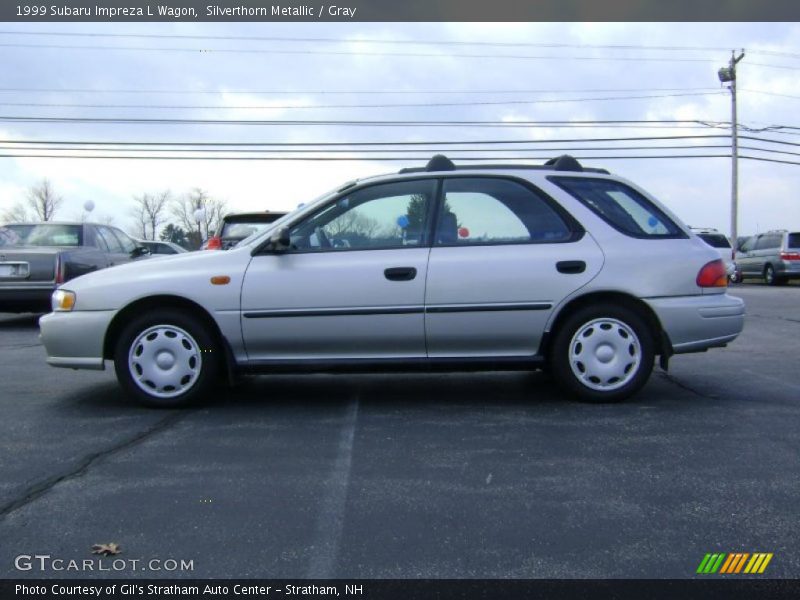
column 565, row 162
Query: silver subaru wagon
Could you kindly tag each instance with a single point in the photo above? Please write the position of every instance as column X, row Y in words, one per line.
column 491, row 267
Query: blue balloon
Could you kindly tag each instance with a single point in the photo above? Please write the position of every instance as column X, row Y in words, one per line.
column 402, row 221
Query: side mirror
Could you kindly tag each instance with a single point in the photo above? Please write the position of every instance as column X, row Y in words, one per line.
column 139, row 251
column 280, row 239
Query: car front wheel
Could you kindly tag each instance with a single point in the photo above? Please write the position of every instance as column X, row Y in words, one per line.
column 166, row 359
column 603, row 353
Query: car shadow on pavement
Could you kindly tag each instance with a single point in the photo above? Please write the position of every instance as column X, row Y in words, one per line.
column 489, row 390
column 318, row 392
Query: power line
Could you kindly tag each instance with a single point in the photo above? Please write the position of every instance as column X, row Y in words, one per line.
column 755, row 64
column 375, row 150
column 356, row 92
column 355, row 158
column 329, row 106
column 772, row 160
column 768, row 93
column 361, row 143
column 367, row 41
column 356, row 123
column 355, row 53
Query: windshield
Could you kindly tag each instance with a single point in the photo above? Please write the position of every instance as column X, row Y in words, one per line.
column 794, row 240
column 715, row 240
column 242, row 230
column 42, row 234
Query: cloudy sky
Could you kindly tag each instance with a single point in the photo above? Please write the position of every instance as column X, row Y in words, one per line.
column 222, row 73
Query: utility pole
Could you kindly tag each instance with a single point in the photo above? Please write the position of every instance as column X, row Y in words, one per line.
column 728, row 75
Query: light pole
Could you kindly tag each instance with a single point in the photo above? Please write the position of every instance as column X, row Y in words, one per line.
column 728, row 75
column 199, row 215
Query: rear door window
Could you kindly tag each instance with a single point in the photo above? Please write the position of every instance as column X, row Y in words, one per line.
column 619, row 205
column 496, row 211
column 128, row 245
column 110, row 239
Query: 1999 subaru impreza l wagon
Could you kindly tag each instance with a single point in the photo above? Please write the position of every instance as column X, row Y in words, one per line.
column 558, row 267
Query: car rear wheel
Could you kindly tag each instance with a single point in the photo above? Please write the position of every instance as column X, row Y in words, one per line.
column 166, row 359
column 603, row 353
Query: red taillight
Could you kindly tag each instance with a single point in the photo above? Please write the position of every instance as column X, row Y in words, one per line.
column 713, row 274
column 214, row 243
column 59, row 270
column 790, row 255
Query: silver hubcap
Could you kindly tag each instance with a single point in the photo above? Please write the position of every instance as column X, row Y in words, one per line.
column 605, row 354
column 164, row 361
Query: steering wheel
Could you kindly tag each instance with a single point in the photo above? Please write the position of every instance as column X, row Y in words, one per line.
column 322, row 237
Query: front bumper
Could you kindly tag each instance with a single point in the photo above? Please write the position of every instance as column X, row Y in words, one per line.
column 75, row 339
column 696, row 323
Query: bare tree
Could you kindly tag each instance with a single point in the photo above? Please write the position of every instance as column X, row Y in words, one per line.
column 16, row 214
column 148, row 213
column 44, row 201
column 139, row 218
column 352, row 223
column 184, row 209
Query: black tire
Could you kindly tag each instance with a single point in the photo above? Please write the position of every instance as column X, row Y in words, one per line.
column 192, row 350
column 623, row 322
column 769, row 276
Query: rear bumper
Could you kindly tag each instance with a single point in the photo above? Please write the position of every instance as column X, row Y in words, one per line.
column 788, row 268
column 696, row 323
column 26, row 298
column 75, row 339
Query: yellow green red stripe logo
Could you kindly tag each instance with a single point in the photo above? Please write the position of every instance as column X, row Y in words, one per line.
column 734, row 563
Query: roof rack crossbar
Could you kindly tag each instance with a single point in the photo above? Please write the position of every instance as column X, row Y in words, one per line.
column 565, row 162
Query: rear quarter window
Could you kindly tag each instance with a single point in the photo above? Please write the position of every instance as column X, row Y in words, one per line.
column 622, row 207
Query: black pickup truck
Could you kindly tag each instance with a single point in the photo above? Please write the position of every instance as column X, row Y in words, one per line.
column 35, row 258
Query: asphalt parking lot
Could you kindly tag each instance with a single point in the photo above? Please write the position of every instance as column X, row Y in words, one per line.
column 458, row 475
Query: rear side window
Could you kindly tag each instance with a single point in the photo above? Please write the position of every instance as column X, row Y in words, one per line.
column 768, row 241
column 793, row 240
column 619, row 205
column 496, row 211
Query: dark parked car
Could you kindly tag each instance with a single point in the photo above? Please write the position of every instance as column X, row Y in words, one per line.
column 236, row 227
column 35, row 258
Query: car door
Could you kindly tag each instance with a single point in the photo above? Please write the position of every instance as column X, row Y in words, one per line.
column 115, row 255
column 503, row 255
column 351, row 285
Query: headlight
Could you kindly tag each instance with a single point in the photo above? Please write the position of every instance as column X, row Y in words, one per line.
column 62, row 301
